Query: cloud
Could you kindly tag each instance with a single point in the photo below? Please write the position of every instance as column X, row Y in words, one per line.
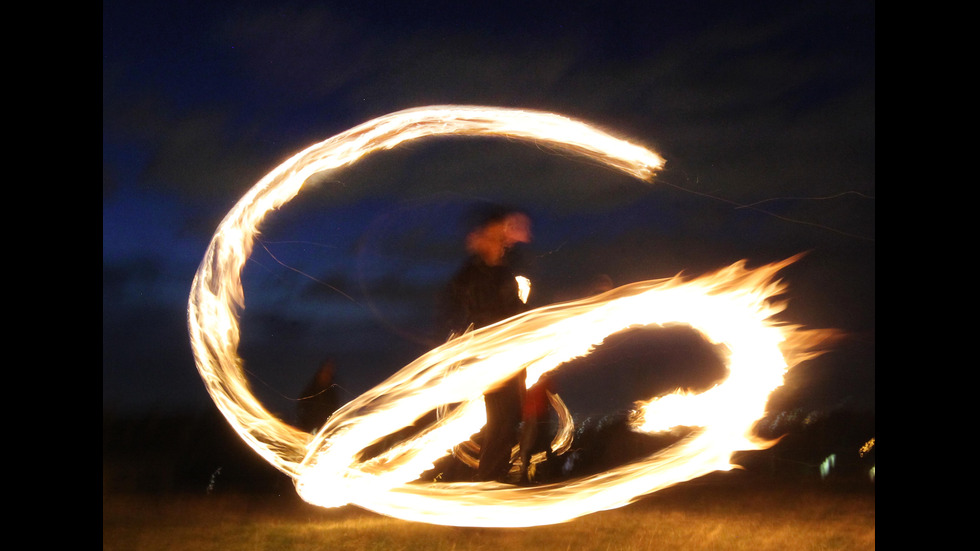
column 750, row 104
column 725, row 101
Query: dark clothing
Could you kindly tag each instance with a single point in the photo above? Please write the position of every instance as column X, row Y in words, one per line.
column 502, row 431
column 481, row 295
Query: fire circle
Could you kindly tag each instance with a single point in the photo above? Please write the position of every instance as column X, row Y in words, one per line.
column 732, row 306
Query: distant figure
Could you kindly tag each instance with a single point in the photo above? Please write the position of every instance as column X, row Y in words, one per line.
column 483, row 292
column 535, row 417
column 319, row 399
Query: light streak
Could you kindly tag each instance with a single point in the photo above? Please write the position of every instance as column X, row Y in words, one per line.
column 523, row 288
column 732, row 307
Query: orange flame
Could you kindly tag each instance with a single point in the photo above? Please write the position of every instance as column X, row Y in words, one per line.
column 732, row 307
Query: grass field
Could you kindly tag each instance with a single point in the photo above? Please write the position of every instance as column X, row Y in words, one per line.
column 192, row 484
column 719, row 512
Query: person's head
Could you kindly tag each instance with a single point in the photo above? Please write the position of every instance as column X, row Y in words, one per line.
column 496, row 231
column 325, row 373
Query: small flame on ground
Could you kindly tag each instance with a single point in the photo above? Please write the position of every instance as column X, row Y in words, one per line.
column 732, row 307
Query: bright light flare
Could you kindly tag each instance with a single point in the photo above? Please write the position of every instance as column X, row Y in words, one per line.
column 523, row 288
column 731, row 307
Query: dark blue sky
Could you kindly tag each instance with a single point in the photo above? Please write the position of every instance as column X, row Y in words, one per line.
column 765, row 114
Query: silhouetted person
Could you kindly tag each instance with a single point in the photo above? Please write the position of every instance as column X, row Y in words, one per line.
column 535, row 418
column 483, row 292
column 319, row 399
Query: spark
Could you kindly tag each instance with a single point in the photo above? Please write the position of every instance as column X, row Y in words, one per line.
column 733, row 307
column 866, row 447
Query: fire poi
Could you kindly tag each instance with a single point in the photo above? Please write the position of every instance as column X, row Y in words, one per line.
column 733, row 307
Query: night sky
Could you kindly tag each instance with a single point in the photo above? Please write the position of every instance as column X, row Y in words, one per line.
column 765, row 113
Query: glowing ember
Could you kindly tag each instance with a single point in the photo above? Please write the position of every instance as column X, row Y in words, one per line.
column 732, row 307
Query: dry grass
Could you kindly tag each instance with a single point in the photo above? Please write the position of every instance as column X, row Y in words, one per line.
column 715, row 514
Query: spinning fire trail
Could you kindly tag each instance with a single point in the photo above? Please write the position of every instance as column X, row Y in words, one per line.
column 733, row 307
